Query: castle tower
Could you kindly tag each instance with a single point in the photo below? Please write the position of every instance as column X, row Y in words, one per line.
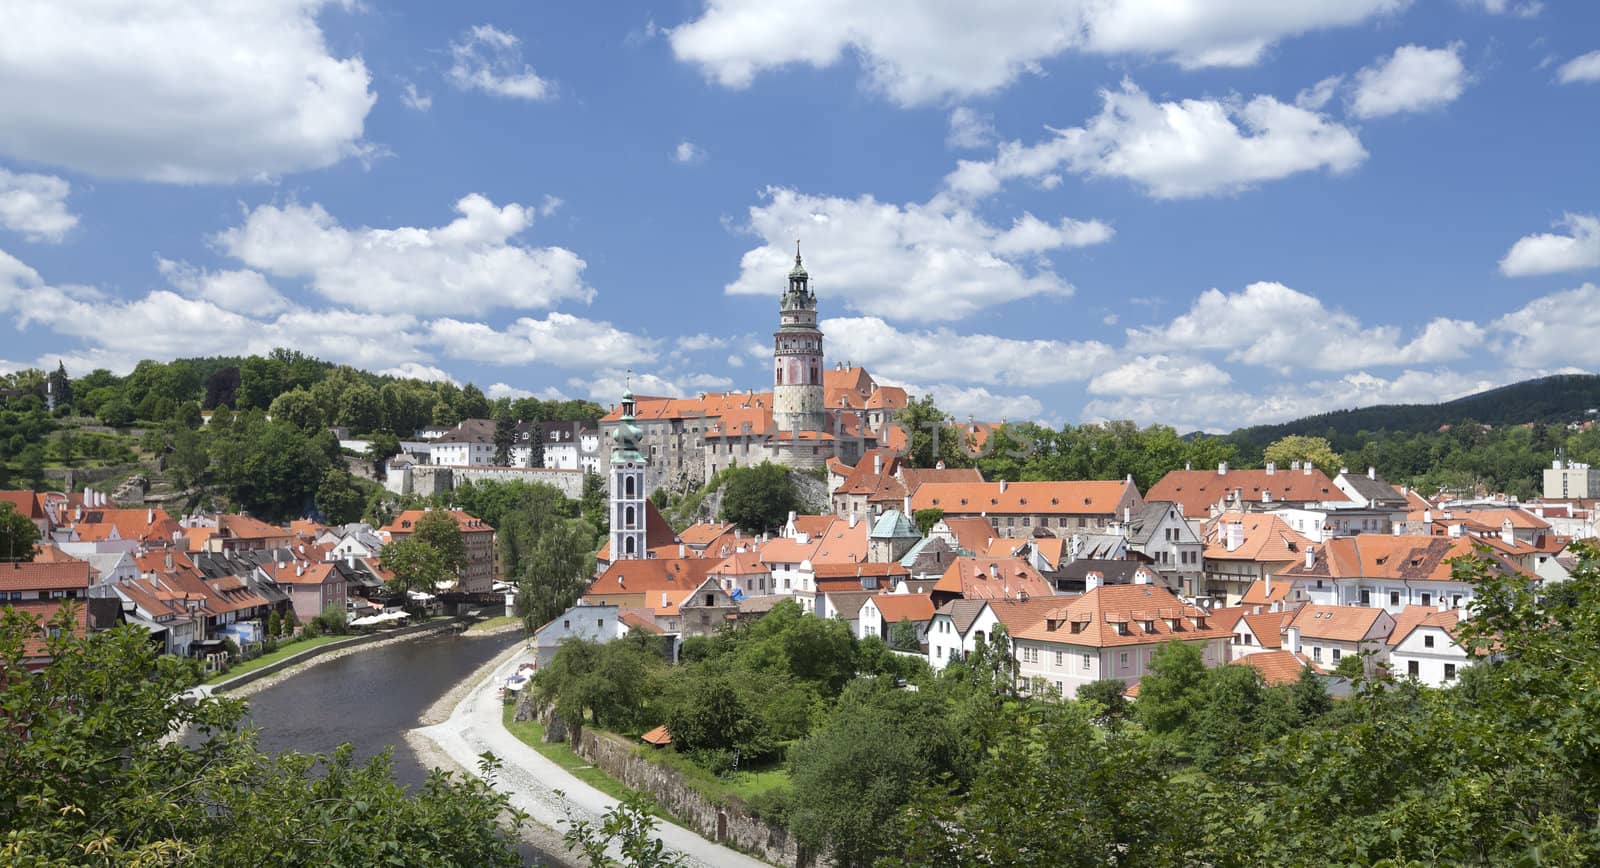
column 797, row 399
column 627, row 487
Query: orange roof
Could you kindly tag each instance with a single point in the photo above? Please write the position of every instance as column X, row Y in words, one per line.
column 1276, row 667
column 887, row 569
column 1267, row 627
column 887, row 398
column 1416, row 558
column 307, row 527
column 1019, row 615
column 246, row 527
column 910, row 607
column 1447, row 621
column 1264, row 538
column 308, row 574
column 841, row 543
column 157, row 561
column 993, row 578
column 812, row 524
column 1112, row 615
column 639, row 620
column 406, row 522
column 34, row 646
column 972, row 534
column 854, row 378
column 1257, row 595
column 147, row 525
column 1519, row 518
column 710, row 405
column 704, row 533
column 1337, row 623
column 49, row 554
column 1052, row 498
column 657, row 736
column 24, row 502
column 44, row 575
column 745, row 563
column 1198, row 490
column 651, row 576
column 1408, row 618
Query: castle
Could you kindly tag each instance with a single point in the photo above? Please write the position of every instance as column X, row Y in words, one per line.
column 811, row 415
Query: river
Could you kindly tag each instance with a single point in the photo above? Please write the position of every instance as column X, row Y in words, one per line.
column 370, row 698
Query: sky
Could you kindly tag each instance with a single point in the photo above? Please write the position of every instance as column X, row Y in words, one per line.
column 1201, row 214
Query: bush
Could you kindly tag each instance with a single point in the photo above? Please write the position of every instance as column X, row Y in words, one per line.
column 333, row 620
column 233, row 649
column 771, row 805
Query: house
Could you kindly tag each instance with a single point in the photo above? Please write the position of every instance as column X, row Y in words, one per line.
column 1111, row 631
column 700, row 612
column 881, row 481
column 313, row 588
column 1371, row 491
column 588, row 621
column 1278, row 667
column 952, row 631
column 169, row 617
column 1081, row 575
column 844, row 606
column 1242, row 548
column 1425, row 646
column 469, row 443
column 1162, row 534
column 929, row 558
column 744, row 572
column 892, row 535
column 26, row 503
column 54, row 580
column 638, row 584
column 1390, row 571
column 1204, row 493
column 1257, row 631
column 567, row 446
column 87, row 616
column 990, row 579
column 243, row 533
column 880, row 613
column 1017, row 508
column 971, row 536
column 478, row 575
column 1328, row 634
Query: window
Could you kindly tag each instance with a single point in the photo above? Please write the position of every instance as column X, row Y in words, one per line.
column 1336, row 655
column 1412, row 668
column 1449, row 672
column 1366, row 597
column 1086, row 661
column 1427, row 641
column 1427, row 599
column 1394, row 598
column 1316, row 653
column 566, row 624
column 1058, row 658
column 1122, row 660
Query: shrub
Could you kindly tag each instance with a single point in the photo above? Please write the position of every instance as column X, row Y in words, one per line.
column 771, row 805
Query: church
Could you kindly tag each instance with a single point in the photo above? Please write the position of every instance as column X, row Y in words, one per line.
column 811, row 415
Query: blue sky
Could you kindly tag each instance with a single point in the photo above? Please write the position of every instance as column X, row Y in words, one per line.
column 1202, row 214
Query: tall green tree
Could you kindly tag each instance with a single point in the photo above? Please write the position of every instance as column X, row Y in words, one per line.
column 759, row 498
column 339, row 498
column 439, row 530
column 1296, row 447
column 17, row 534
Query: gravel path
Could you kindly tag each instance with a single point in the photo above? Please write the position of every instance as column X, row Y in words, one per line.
column 474, row 726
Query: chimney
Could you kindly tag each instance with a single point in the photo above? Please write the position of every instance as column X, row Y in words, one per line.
column 1141, row 576
column 877, row 462
column 1507, row 535
column 1306, row 468
column 854, row 517
column 1188, row 465
column 1233, row 535
column 150, row 516
column 1092, row 579
column 1002, row 486
column 1291, row 638
column 994, row 571
column 1266, row 583
column 1372, row 473
column 1272, row 467
column 1266, row 496
column 1311, row 556
column 938, row 465
column 1222, row 468
column 1454, row 529
column 683, row 551
column 1427, row 516
column 663, row 599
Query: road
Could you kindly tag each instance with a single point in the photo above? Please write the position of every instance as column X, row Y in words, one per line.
column 475, row 726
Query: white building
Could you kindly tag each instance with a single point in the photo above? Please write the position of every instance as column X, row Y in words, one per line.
column 1424, row 647
column 1566, row 480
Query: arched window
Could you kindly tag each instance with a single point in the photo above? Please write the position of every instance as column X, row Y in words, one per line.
column 627, row 520
column 627, row 546
column 780, row 375
column 627, row 487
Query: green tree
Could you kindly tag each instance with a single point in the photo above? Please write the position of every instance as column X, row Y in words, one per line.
column 439, row 530
column 758, row 498
column 90, row 781
column 1173, row 690
column 416, row 566
column 927, row 518
column 360, row 409
column 17, row 534
column 505, row 436
column 932, row 436
column 298, row 408
column 555, row 571
column 903, row 636
column 116, row 412
column 628, row 827
column 1109, row 695
column 593, row 503
column 705, row 710
column 380, row 448
column 1296, row 447
column 339, row 498
column 604, row 683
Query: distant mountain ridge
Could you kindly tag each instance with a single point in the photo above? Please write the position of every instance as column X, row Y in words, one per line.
column 1558, row 398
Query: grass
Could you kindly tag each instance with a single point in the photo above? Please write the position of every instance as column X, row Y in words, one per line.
column 283, row 651
column 493, row 624
column 531, row 733
column 743, row 785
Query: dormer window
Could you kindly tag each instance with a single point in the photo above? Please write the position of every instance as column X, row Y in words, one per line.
column 1122, row 628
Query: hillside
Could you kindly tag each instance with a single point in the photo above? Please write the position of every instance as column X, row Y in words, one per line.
column 1561, row 398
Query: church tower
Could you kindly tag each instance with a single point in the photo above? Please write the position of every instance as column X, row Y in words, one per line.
column 627, row 487
column 797, row 399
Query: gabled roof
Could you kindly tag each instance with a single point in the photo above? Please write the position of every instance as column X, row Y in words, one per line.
column 1199, row 490
column 1264, row 538
column 993, row 578
column 1415, row 558
column 1373, row 489
column 702, row 534
column 1267, row 627
column 307, row 574
column 406, row 522
column 1337, row 623
column 1142, row 526
column 841, row 544
column 1099, row 545
column 910, row 607
column 1112, row 572
column 147, row 525
column 848, row 603
column 1259, row 595
column 24, row 502
column 745, row 563
column 1447, row 621
column 1520, row 519
column 972, row 534
column 470, row 431
column 651, row 576
column 1114, row 615
column 963, row 613
column 1095, row 497
column 34, row 646
column 1276, row 667
column 1018, row 615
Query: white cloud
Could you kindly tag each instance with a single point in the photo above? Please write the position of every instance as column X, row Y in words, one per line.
column 473, row 264
column 696, row 342
column 418, row 371
column 415, row 99
column 1518, row 8
column 504, row 390
column 735, row 360
column 487, row 59
column 923, row 52
column 604, row 387
column 1159, row 374
column 176, row 91
column 981, row 404
column 968, row 129
column 1549, row 253
column 1317, row 96
column 1222, row 410
column 559, row 339
column 929, row 261
column 550, row 205
column 1556, row 329
column 1584, row 67
column 1272, row 325
column 35, row 205
column 1413, row 79
column 242, row 290
column 974, row 358
column 1176, row 150
column 688, row 152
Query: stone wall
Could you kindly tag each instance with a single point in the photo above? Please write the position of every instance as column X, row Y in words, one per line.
column 731, row 824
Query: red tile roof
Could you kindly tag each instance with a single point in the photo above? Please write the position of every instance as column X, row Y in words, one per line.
column 911, row 607
column 651, row 576
column 1276, row 667
column 1199, row 490
column 406, row 522
column 1035, row 498
column 24, row 502
column 44, row 576
column 1113, row 615
column 993, row 578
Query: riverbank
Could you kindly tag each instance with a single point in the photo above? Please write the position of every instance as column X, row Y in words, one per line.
column 535, row 784
column 257, row 680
